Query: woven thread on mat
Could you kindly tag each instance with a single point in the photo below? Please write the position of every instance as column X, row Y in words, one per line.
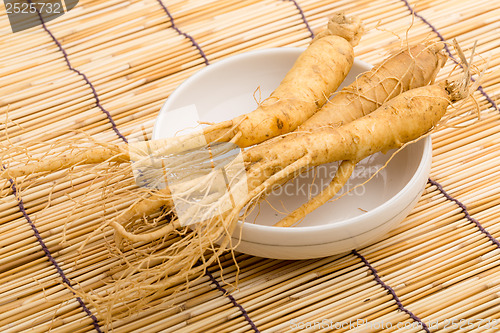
column 489, row 99
column 46, row 250
column 20, row 202
column 207, row 273
column 400, row 305
column 301, row 12
column 441, row 37
column 466, row 212
column 94, row 92
column 180, row 32
column 233, row 301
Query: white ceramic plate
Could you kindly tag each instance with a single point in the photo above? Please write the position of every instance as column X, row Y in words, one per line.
column 232, row 87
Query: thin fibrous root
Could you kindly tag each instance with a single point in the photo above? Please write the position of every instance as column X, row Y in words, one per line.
column 121, row 233
column 87, row 156
column 212, row 189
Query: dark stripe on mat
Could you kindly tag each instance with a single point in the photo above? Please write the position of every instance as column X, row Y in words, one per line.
column 85, row 78
column 441, row 37
column 46, row 250
column 233, row 301
column 465, row 211
column 391, row 291
column 180, row 32
column 301, row 12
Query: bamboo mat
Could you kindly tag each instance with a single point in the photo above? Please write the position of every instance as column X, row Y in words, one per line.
column 106, row 67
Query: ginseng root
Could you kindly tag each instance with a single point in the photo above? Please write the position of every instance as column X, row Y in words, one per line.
column 402, row 119
column 315, row 75
column 410, row 68
column 413, row 67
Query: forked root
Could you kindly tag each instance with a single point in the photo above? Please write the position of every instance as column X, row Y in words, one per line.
column 149, row 205
column 121, row 233
column 405, row 118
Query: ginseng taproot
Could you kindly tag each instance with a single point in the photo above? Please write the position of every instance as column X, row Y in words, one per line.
column 315, row 75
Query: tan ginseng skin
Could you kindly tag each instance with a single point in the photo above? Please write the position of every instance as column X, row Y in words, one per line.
column 316, row 74
column 398, row 121
column 401, row 120
column 410, row 68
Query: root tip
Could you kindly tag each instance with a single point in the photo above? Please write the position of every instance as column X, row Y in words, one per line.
column 347, row 27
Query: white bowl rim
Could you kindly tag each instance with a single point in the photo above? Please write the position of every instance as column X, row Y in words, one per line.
column 293, row 245
column 372, row 213
column 223, row 62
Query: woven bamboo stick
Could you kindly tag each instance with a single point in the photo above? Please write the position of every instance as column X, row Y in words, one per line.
column 395, row 257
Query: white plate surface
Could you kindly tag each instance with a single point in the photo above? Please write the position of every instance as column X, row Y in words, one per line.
column 232, row 87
